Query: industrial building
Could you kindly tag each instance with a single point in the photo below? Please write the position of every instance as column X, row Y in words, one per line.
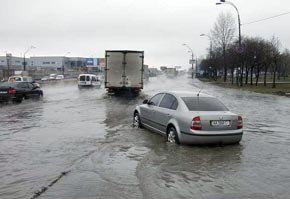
column 38, row 66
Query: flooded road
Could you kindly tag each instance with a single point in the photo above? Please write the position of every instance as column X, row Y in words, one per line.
column 80, row 144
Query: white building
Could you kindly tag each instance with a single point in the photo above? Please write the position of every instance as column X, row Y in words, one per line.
column 13, row 63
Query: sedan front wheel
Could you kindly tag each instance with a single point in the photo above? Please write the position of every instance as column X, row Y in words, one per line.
column 136, row 120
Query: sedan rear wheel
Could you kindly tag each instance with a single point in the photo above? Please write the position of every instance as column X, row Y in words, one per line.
column 17, row 100
column 136, row 120
column 172, row 136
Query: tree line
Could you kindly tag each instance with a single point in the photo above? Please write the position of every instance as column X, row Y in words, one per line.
column 258, row 60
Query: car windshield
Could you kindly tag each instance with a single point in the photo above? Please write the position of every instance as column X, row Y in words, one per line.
column 204, row 104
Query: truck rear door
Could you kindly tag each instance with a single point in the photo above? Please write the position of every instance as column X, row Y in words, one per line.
column 114, row 69
column 124, row 69
column 134, row 69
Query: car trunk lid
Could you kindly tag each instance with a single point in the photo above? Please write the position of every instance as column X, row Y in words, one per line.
column 218, row 120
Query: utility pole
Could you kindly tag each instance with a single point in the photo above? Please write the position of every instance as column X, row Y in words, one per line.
column 24, row 62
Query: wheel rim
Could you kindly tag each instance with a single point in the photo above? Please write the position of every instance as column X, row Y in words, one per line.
column 136, row 121
column 171, row 136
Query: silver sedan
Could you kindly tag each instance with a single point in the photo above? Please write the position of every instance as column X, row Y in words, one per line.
column 189, row 118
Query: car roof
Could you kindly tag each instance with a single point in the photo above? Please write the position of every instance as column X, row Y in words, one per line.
column 87, row 74
column 188, row 94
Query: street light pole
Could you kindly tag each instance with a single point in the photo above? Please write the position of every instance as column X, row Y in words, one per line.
column 24, row 62
column 192, row 56
column 64, row 63
column 240, row 37
column 210, row 50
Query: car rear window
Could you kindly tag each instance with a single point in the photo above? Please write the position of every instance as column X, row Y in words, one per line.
column 83, row 78
column 8, row 84
column 204, row 104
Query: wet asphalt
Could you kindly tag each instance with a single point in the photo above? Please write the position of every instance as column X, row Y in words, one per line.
column 80, row 144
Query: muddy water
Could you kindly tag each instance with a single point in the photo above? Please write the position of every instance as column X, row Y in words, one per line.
column 80, row 144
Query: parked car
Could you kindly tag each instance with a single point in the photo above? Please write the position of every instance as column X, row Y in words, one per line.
column 88, row 80
column 59, row 77
column 52, row 76
column 45, row 78
column 17, row 91
column 189, row 118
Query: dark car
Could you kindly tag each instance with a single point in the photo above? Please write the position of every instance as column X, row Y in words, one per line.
column 17, row 91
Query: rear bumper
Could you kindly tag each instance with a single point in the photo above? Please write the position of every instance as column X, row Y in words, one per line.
column 211, row 137
column 130, row 89
column 6, row 98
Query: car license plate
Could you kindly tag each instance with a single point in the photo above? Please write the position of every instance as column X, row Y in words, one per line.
column 220, row 123
column 3, row 92
column 82, row 83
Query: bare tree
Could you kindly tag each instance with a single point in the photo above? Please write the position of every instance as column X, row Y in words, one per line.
column 275, row 52
column 285, row 63
column 223, row 34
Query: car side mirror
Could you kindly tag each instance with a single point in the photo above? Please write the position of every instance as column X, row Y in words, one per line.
column 145, row 101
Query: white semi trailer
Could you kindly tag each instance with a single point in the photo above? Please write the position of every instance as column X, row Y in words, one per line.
column 124, row 71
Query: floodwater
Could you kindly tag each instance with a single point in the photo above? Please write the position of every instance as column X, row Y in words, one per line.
column 80, row 144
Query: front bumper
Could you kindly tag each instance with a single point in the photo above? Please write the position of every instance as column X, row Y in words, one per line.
column 211, row 137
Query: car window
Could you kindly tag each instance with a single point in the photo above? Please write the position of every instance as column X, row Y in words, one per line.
column 88, row 78
column 156, row 99
column 94, row 79
column 168, row 101
column 204, row 104
column 82, row 78
column 12, row 84
column 174, row 105
column 23, row 85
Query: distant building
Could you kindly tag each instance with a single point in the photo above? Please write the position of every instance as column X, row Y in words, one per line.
column 43, row 65
column 13, row 63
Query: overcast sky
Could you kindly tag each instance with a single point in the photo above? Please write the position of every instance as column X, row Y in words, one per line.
column 159, row 27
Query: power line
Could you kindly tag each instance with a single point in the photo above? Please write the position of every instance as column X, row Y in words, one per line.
column 266, row 18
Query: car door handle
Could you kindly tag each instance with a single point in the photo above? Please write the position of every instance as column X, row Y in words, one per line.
column 168, row 114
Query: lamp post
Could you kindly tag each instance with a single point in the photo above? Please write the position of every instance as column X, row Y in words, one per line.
column 190, row 51
column 24, row 62
column 210, row 50
column 240, row 50
column 62, row 68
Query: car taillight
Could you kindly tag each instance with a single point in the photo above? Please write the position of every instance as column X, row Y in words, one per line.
column 11, row 91
column 240, row 122
column 195, row 123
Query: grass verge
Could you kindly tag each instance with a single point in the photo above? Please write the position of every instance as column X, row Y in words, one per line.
column 282, row 89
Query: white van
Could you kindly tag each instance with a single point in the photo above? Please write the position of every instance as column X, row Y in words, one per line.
column 88, row 80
